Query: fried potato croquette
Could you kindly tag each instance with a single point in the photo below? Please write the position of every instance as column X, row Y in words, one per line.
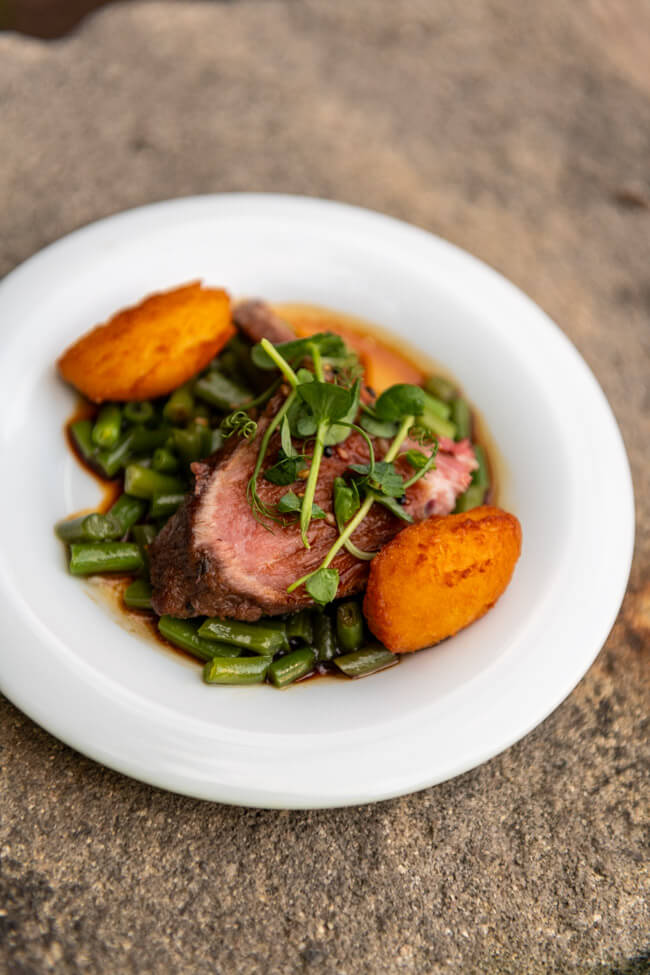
column 440, row 575
column 150, row 349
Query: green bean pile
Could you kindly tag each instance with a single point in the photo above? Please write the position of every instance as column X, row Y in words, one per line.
column 150, row 447
column 280, row 650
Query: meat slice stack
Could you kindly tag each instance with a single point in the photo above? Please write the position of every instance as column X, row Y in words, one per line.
column 215, row 558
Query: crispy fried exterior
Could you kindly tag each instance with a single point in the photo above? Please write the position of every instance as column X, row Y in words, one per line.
column 150, row 349
column 440, row 575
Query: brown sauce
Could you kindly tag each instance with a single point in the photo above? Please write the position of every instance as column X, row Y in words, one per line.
column 108, row 591
column 386, row 361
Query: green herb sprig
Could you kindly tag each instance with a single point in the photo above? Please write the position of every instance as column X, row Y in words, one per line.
column 323, row 404
column 323, row 581
column 327, row 411
column 240, row 424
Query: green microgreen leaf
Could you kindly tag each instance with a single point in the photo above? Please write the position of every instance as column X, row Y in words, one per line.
column 384, row 479
column 421, row 463
column 289, row 503
column 346, row 500
column 301, row 419
column 393, row 506
column 327, row 343
column 285, row 439
column 285, row 470
column 326, row 401
column 346, row 505
column 376, row 427
column 399, row 401
column 322, row 585
column 304, row 423
column 339, row 432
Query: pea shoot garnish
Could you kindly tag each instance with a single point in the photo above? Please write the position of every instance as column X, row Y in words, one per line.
column 322, row 407
column 239, row 424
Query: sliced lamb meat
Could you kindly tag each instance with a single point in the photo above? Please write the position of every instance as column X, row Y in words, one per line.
column 439, row 489
column 258, row 321
column 214, row 558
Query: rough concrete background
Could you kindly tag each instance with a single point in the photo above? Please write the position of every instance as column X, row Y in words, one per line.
column 522, row 133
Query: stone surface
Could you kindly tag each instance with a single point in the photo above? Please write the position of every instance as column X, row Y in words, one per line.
column 522, row 133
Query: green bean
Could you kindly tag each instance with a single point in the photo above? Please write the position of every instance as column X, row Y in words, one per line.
column 81, row 432
column 220, row 391
column 349, row 625
column 324, row 640
column 165, row 503
column 201, row 411
column 294, row 665
column 257, row 637
column 127, row 511
column 440, row 387
column 481, row 476
column 431, row 419
column 110, row 461
column 108, row 425
column 436, row 406
column 164, row 460
column 437, row 426
column 300, row 627
column 475, row 493
column 461, row 415
column 95, row 527
column 366, row 661
column 142, row 482
column 192, row 443
column 138, row 595
column 180, row 405
column 184, row 634
column 144, row 535
column 145, row 441
column 242, row 670
column 472, row 498
column 92, row 557
column 234, row 354
column 139, row 411
column 226, row 363
column 281, row 627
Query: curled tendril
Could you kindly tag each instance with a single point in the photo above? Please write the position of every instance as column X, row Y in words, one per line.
column 240, row 424
column 422, row 436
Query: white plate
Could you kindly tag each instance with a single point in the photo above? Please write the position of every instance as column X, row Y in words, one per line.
column 125, row 701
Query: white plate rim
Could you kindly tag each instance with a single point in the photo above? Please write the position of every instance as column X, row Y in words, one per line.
column 199, row 781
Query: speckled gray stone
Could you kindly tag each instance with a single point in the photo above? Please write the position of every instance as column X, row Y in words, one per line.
column 522, row 133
